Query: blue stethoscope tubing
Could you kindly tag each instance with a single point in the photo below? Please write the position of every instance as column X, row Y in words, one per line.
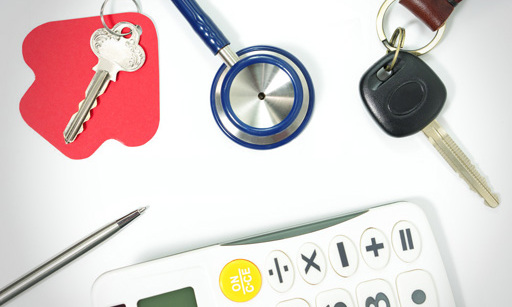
column 227, row 119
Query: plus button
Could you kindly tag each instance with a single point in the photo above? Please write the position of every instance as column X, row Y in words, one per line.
column 374, row 247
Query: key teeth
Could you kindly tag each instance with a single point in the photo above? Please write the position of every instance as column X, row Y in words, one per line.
column 70, row 138
column 96, row 87
column 462, row 156
column 94, row 105
column 444, row 138
column 472, row 169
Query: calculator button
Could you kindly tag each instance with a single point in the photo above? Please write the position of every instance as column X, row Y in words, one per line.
column 294, row 303
column 279, row 270
column 240, row 280
column 406, row 241
column 311, row 263
column 416, row 288
column 377, row 292
column 343, row 256
column 334, row 298
column 375, row 248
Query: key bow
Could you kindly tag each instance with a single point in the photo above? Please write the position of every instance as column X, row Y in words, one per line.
column 116, row 53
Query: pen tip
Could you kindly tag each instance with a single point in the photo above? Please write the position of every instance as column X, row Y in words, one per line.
column 141, row 210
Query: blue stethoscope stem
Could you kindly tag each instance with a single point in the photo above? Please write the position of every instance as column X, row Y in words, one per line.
column 207, row 30
column 202, row 24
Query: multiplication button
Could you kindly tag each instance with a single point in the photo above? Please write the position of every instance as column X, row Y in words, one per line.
column 311, row 263
column 406, row 241
column 343, row 256
column 279, row 269
column 374, row 248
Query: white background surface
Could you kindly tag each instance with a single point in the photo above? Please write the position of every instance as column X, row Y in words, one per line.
column 204, row 188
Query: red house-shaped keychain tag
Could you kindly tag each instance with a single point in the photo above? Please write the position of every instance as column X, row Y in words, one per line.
column 60, row 55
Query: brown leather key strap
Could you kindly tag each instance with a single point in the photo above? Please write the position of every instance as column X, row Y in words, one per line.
column 433, row 13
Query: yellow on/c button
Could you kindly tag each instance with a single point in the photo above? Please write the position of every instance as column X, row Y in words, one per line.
column 240, row 280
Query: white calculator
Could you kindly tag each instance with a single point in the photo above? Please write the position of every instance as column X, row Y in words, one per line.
column 384, row 256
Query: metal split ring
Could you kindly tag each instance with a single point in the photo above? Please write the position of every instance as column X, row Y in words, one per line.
column 105, row 24
column 400, row 35
column 382, row 36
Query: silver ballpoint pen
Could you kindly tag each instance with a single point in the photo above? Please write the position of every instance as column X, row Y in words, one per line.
column 75, row 251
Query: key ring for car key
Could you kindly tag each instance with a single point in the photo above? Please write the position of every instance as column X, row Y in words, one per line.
column 112, row 31
column 400, row 35
column 382, row 36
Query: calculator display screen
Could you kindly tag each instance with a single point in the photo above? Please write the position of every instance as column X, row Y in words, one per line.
column 180, row 298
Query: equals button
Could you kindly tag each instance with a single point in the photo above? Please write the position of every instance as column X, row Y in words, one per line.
column 406, row 241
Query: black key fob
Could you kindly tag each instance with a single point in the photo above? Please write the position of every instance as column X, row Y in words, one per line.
column 406, row 99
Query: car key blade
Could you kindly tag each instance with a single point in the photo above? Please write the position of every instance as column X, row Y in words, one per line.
column 460, row 162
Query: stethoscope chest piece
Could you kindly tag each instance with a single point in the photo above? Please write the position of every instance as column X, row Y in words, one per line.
column 264, row 100
column 262, row 97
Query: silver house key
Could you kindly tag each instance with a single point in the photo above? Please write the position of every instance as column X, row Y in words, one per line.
column 115, row 53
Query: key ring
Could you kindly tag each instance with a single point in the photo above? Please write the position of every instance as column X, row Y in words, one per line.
column 382, row 36
column 105, row 24
column 400, row 35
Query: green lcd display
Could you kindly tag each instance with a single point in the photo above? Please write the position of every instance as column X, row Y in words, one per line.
column 180, row 298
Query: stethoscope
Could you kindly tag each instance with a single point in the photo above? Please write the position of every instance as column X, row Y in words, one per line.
column 262, row 96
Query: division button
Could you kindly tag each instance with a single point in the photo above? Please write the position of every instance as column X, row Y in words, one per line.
column 294, row 303
column 375, row 248
column 416, row 289
column 343, row 256
column 240, row 280
column 406, row 241
column 311, row 263
column 279, row 270
column 334, row 298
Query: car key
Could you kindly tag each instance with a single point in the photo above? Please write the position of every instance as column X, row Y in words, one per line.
column 407, row 99
column 115, row 53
